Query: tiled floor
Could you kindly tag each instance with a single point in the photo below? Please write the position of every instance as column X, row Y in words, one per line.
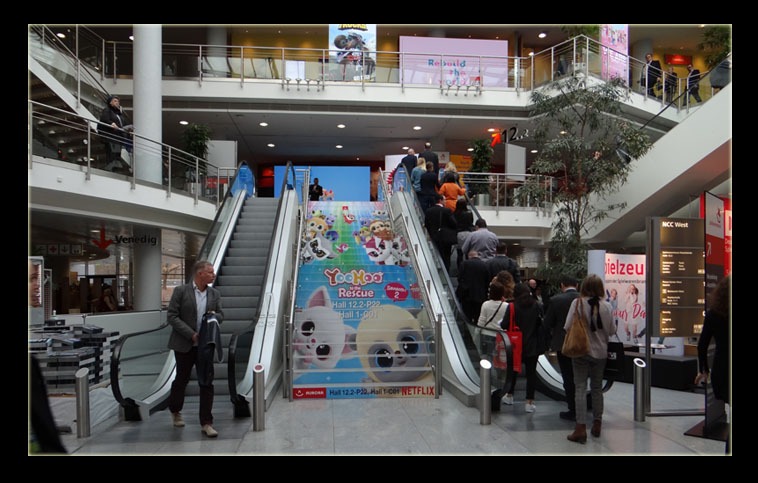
column 407, row 427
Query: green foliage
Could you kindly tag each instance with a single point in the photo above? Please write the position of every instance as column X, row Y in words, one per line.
column 578, row 131
column 481, row 162
column 481, row 156
column 591, row 31
column 195, row 139
column 717, row 42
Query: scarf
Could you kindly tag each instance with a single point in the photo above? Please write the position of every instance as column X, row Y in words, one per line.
column 595, row 313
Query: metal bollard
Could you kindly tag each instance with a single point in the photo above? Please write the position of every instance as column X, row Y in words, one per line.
column 639, row 389
column 82, row 403
column 485, row 406
column 259, row 402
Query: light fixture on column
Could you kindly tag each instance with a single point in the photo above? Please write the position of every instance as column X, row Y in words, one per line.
column 308, row 84
column 287, row 79
column 298, row 80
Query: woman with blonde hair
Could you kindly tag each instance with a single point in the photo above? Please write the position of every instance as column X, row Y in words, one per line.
column 598, row 315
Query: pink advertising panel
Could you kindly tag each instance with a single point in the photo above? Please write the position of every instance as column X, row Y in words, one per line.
column 615, row 50
column 454, row 62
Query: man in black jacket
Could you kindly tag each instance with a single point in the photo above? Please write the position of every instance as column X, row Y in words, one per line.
column 501, row 261
column 113, row 131
column 431, row 156
column 693, row 84
column 651, row 74
column 555, row 319
column 439, row 222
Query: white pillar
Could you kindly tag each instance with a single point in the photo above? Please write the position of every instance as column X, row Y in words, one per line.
column 147, row 269
column 148, row 102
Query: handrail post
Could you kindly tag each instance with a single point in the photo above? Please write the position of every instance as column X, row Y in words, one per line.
column 485, row 401
column 82, row 403
column 639, row 389
column 438, row 357
column 258, row 402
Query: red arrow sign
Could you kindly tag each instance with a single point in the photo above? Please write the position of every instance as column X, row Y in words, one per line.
column 103, row 243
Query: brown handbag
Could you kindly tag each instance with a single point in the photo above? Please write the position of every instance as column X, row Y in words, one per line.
column 577, row 341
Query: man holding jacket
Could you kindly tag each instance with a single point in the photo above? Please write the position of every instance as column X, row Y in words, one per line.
column 189, row 303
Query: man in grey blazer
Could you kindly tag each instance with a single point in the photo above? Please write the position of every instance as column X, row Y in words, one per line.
column 555, row 319
column 188, row 304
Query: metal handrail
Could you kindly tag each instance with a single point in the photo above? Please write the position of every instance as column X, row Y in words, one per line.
column 84, row 130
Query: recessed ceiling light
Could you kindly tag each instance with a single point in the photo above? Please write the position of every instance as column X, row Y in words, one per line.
column 131, row 37
column 405, row 148
column 534, row 151
column 341, row 126
column 563, row 132
column 531, row 54
column 271, row 145
column 417, row 128
column 339, row 146
column 263, row 124
column 542, row 35
column 492, row 129
column 183, row 123
column 470, row 149
column 61, row 35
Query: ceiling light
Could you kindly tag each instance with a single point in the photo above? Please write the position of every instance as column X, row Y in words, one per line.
column 531, row 54
column 405, row 148
column 339, row 146
column 417, row 128
column 563, row 132
column 542, row 35
column 271, row 145
column 263, row 124
column 131, row 37
column 341, row 126
column 533, row 151
column 470, row 149
column 61, row 35
column 492, row 129
column 183, row 123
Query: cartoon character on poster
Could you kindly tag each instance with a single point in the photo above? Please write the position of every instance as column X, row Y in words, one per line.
column 321, row 337
column 383, row 247
column 318, row 238
column 392, row 345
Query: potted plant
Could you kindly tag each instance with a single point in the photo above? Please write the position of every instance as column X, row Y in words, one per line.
column 481, row 162
column 195, row 139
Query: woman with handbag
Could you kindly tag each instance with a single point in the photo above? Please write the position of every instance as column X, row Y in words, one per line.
column 522, row 316
column 590, row 309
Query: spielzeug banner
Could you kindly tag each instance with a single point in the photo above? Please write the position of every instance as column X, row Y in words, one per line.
column 359, row 327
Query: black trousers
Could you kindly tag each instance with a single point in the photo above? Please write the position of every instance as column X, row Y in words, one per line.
column 567, row 372
column 529, row 366
column 184, row 363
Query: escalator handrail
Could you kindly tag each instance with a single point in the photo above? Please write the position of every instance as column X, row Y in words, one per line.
column 232, row 352
column 116, row 362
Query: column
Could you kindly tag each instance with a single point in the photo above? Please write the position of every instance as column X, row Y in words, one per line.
column 147, row 269
column 148, row 103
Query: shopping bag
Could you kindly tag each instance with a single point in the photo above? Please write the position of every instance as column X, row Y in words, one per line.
column 577, row 341
column 516, row 337
column 500, row 357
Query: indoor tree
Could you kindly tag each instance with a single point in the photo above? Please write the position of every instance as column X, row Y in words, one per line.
column 481, row 162
column 588, row 149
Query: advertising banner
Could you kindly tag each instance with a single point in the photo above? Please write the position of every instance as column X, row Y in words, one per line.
column 614, row 51
column 454, row 62
column 625, row 290
column 359, row 327
column 352, row 46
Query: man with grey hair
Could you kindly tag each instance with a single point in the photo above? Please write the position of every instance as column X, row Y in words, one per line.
column 190, row 304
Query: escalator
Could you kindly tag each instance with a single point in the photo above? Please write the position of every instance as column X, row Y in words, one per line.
column 461, row 341
column 249, row 244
